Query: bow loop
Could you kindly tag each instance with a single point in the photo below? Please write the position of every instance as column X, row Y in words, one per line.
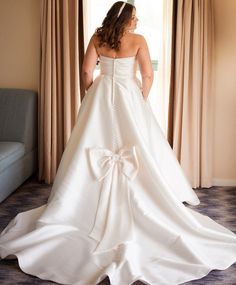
column 103, row 161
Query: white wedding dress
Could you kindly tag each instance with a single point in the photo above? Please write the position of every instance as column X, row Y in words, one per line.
column 115, row 207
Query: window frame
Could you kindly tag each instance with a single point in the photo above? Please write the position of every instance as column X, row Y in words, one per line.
column 154, row 61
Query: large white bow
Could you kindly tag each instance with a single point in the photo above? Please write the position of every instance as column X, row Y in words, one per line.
column 113, row 222
column 103, row 160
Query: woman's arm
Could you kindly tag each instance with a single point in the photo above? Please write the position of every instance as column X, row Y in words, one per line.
column 89, row 64
column 145, row 66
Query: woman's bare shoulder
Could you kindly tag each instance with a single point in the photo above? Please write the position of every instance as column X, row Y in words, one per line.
column 138, row 38
column 94, row 38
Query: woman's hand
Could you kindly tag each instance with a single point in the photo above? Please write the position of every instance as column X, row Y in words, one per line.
column 90, row 83
column 144, row 97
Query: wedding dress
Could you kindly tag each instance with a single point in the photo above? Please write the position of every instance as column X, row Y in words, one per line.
column 115, row 208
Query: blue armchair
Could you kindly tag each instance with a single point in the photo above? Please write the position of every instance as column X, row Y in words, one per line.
column 18, row 138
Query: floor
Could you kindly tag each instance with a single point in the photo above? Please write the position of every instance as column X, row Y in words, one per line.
column 219, row 203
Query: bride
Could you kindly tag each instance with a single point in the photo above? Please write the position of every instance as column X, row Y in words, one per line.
column 116, row 206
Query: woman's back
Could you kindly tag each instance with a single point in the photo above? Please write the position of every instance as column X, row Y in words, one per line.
column 130, row 44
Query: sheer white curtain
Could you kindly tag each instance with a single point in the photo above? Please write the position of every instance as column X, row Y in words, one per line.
column 164, row 66
column 86, row 19
column 93, row 12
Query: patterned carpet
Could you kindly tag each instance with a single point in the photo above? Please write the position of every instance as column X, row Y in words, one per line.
column 219, row 203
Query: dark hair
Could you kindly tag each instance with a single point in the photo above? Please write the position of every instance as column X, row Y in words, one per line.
column 113, row 27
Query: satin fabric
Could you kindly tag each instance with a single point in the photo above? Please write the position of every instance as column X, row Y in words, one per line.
column 115, row 207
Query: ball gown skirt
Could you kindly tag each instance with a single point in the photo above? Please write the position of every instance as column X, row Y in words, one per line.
column 116, row 205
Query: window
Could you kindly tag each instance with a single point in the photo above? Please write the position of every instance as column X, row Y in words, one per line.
column 150, row 25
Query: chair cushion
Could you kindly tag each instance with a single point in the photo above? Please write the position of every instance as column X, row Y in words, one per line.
column 10, row 152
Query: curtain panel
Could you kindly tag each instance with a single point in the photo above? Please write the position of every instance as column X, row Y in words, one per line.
column 191, row 89
column 62, row 49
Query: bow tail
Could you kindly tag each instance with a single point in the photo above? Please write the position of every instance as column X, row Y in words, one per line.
column 102, row 211
column 113, row 225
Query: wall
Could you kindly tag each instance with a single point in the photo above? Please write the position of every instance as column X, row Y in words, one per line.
column 224, row 148
column 19, row 43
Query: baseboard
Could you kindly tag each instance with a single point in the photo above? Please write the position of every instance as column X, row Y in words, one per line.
column 223, row 182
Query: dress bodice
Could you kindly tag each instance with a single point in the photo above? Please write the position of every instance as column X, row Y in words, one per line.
column 124, row 67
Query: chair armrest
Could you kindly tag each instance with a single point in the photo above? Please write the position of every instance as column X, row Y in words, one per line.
column 18, row 116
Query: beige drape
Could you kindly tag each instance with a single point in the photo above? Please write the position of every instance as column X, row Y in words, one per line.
column 59, row 90
column 191, row 92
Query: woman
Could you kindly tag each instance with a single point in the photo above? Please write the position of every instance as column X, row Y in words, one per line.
column 115, row 208
column 116, row 39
